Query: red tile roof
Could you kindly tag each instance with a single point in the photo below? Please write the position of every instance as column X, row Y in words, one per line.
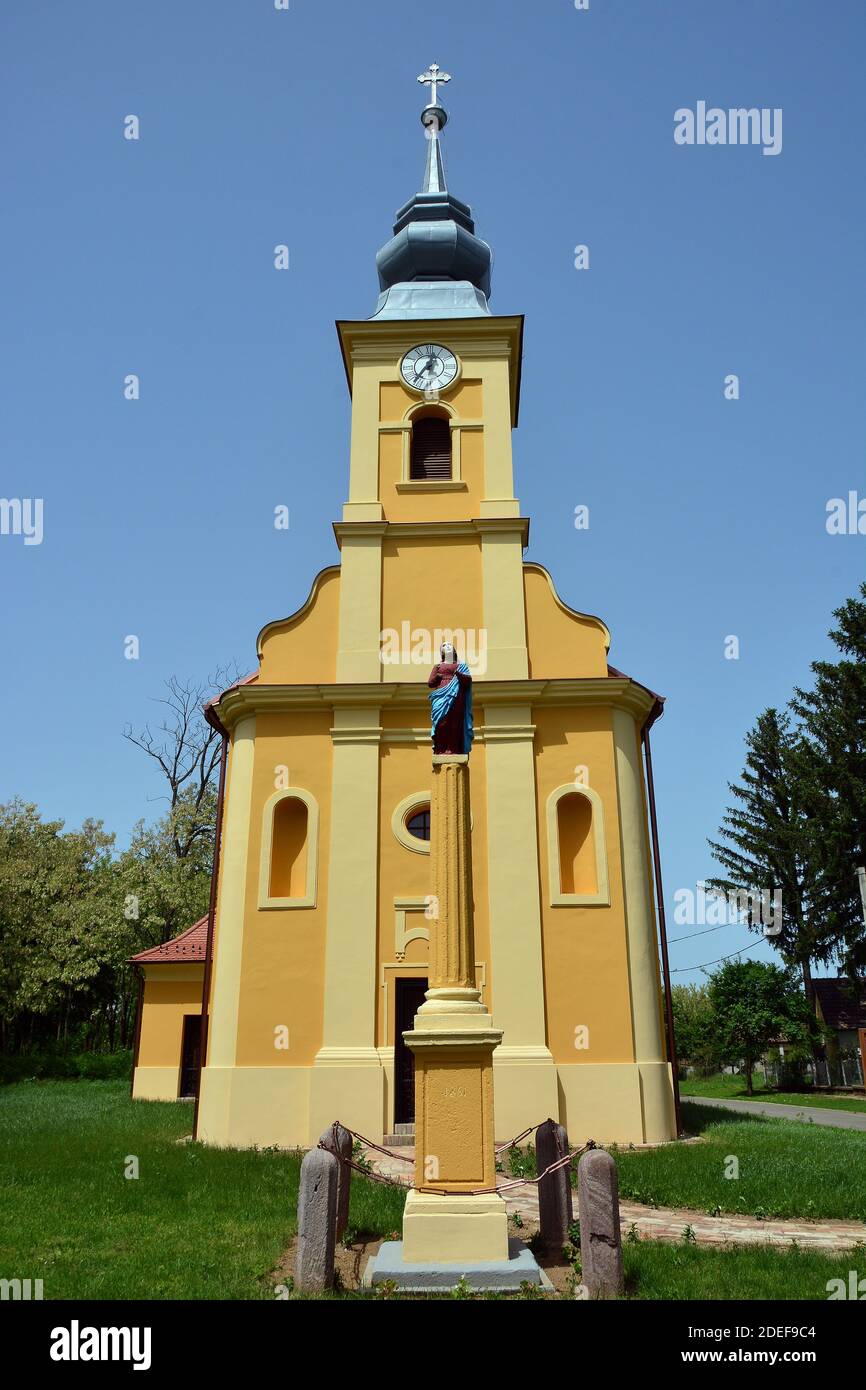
column 191, row 945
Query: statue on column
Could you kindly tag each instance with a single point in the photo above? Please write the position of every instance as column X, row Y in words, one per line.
column 451, row 703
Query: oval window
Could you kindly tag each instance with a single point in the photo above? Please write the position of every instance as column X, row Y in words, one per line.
column 418, row 823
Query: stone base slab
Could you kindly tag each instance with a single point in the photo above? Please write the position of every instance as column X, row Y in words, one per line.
column 503, row 1276
column 444, row 1228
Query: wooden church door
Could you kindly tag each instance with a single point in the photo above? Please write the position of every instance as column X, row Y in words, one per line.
column 189, row 1057
column 409, row 998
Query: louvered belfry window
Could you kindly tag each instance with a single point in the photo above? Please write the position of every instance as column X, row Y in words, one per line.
column 431, row 448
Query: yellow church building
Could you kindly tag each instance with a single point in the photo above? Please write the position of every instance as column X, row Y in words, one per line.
column 314, row 958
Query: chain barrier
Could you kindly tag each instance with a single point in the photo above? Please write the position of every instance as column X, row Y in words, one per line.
column 375, row 1176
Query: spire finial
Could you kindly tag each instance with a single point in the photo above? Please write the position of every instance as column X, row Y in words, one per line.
column 434, row 117
column 432, row 78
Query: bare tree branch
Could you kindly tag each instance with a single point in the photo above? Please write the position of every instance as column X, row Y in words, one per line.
column 187, row 751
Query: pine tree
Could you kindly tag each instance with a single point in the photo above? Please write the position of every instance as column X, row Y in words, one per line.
column 765, row 842
column 832, row 773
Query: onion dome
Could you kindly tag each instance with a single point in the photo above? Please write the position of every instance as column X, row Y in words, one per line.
column 434, row 266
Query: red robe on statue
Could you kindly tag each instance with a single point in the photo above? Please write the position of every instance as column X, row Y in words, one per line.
column 449, row 735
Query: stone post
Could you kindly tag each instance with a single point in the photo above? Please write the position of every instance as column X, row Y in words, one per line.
column 600, row 1235
column 338, row 1141
column 317, row 1211
column 453, row 1041
column 555, row 1210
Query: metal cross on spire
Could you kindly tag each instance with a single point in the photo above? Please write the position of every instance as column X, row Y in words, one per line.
column 432, row 78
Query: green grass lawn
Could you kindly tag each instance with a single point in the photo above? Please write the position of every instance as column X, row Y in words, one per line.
column 657, row 1271
column 213, row 1224
column 196, row 1223
column 723, row 1087
column 786, row 1168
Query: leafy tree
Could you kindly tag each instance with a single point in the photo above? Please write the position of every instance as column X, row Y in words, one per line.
column 162, row 891
column 166, row 870
column 832, row 772
column 58, row 926
column 72, row 911
column 766, row 845
column 753, row 1004
column 693, row 1026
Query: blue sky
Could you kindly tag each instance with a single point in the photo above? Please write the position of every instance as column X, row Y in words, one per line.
column 258, row 127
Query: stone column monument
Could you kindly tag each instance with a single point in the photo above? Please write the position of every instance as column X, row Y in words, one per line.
column 450, row 1228
column 453, row 1041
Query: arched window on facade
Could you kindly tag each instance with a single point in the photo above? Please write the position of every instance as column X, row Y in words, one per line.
column 430, row 457
column 578, row 872
column 289, row 847
column 576, row 848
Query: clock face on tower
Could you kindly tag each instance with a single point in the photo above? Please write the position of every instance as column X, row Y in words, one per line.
column 429, row 367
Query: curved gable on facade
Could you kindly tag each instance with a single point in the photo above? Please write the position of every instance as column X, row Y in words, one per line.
column 561, row 642
column 302, row 648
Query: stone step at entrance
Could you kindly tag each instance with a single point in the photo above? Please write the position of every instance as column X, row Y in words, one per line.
column 403, row 1134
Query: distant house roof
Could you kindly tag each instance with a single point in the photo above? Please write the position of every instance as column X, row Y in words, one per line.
column 843, row 1005
column 191, row 945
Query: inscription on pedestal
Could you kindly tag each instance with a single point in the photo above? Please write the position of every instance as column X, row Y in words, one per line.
column 453, row 1133
column 453, row 1122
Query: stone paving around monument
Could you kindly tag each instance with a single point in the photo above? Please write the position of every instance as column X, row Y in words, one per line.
column 668, row 1223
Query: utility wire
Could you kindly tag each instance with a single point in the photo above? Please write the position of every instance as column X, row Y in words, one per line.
column 686, row 968
column 690, row 937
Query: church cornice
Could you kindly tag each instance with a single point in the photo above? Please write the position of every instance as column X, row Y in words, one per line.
column 614, row 692
column 406, row 530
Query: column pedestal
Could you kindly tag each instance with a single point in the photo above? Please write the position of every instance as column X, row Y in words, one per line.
column 455, row 1225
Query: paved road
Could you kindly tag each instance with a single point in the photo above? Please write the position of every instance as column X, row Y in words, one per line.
column 836, row 1119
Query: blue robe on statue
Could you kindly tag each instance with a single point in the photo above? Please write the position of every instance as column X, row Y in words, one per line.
column 442, row 702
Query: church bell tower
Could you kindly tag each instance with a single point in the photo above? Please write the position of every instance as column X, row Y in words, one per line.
column 435, row 381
